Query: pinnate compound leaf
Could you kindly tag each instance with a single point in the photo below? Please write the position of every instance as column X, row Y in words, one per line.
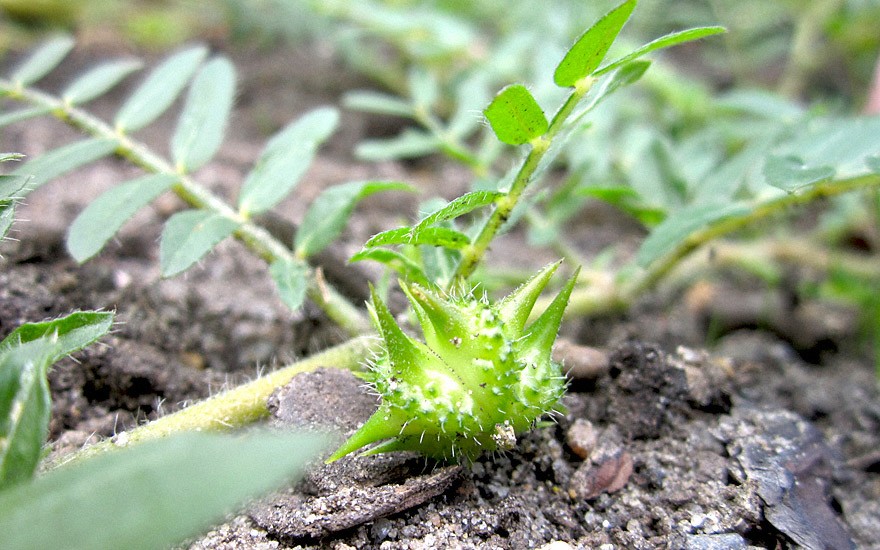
column 515, row 116
column 790, row 174
column 188, row 236
column 99, row 80
column 65, row 159
column 63, row 336
column 25, row 408
column 675, row 229
column 327, row 215
column 431, row 236
column 460, row 206
column 45, row 58
column 588, row 51
column 285, row 159
column 157, row 493
column 205, row 115
column 291, row 278
column 25, row 356
column 160, row 89
column 376, row 102
column 104, row 216
column 666, row 41
column 22, row 114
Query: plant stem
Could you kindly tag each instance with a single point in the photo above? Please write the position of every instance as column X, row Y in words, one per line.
column 473, row 253
column 660, row 269
column 256, row 238
column 234, row 408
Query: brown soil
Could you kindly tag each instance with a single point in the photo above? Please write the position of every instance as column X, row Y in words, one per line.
column 667, row 446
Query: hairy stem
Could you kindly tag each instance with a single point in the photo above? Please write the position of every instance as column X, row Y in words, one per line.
column 234, row 408
column 256, row 238
column 600, row 292
column 660, row 269
column 473, row 253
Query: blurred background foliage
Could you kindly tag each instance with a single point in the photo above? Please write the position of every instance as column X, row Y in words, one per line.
column 813, row 49
column 697, row 128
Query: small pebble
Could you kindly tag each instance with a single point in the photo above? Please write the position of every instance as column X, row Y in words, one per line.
column 580, row 362
column 723, row 541
column 582, row 438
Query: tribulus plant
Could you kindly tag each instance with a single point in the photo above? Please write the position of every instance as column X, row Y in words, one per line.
column 481, row 376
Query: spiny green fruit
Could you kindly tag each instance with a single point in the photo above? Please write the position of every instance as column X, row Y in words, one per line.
column 480, row 377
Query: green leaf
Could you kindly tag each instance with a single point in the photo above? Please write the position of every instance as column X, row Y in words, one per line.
column 10, row 191
column 328, row 214
column 25, row 356
column 432, row 236
column 679, row 226
column 515, row 116
column 760, row 103
column 22, row 114
column 285, row 159
column 156, row 494
column 11, row 186
column 790, row 174
column 440, row 263
column 843, row 143
column 99, row 80
column 460, row 206
column 409, row 144
column 159, row 90
column 375, row 102
column 614, row 195
column 7, row 216
column 588, row 51
column 626, row 199
column 104, row 216
column 408, row 269
column 6, row 157
column 25, row 408
column 65, row 159
column 470, row 96
column 205, row 114
column 42, row 60
column 188, row 236
column 63, row 336
column 666, row 41
column 291, row 280
column 423, row 88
